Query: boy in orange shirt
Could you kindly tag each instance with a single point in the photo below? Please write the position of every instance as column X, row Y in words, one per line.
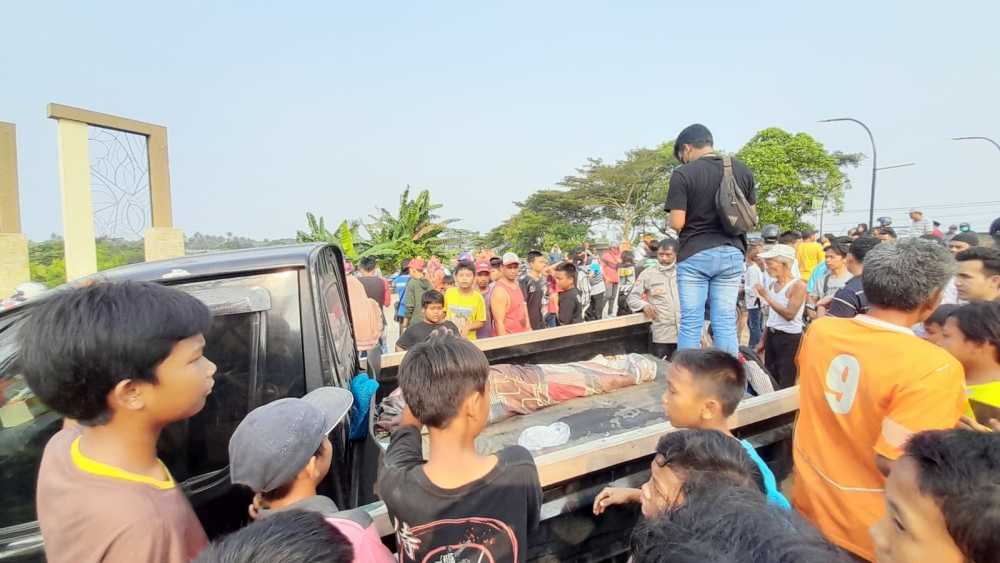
column 865, row 385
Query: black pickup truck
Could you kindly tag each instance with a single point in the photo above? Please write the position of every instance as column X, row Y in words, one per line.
column 281, row 328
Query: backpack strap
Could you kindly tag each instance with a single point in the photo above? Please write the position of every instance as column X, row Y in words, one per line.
column 727, row 166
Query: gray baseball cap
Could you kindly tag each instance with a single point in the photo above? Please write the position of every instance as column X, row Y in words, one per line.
column 275, row 441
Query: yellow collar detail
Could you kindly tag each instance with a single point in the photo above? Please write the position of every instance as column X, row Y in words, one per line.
column 94, row 467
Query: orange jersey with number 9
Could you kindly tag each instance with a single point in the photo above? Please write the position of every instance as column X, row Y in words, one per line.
column 864, row 387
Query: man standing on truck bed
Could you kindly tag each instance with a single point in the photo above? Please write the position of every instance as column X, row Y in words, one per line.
column 414, row 292
column 710, row 261
column 510, row 312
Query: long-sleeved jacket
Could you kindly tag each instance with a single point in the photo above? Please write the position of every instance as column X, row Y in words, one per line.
column 658, row 285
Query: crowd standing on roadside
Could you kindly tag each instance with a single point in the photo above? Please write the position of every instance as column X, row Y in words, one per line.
column 893, row 344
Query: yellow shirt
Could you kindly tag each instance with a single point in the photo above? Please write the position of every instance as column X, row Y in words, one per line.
column 865, row 386
column 988, row 393
column 809, row 255
column 468, row 307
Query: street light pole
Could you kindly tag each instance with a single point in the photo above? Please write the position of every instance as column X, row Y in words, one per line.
column 995, row 144
column 871, row 205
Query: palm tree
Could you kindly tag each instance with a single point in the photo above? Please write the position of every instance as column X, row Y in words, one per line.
column 415, row 230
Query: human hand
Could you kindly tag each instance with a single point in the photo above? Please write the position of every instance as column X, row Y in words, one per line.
column 610, row 496
column 255, row 507
column 969, row 423
column 650, row 312
column 761, row 291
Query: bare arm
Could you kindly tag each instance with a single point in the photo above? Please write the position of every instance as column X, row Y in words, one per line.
column 796, row 297
column 499, row 305
column 677, row 219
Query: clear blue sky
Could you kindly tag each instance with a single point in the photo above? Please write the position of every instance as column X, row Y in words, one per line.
column 276, row 110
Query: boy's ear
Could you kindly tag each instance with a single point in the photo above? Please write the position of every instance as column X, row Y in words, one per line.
column 312, row 468
column 127, row 394
column 711, row 409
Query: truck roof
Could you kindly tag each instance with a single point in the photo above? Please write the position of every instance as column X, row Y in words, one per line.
column 216, row 263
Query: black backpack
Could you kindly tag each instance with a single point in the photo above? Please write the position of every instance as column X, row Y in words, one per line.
column 736, row 214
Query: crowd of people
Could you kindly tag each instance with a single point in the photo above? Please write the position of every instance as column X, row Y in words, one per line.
column 894, row 346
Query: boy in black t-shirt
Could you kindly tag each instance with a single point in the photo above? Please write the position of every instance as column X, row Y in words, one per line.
column 458, row 505
column 432, row 304
column 570, row 309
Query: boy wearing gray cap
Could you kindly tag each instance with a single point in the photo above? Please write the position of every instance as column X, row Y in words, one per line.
column 282, row 452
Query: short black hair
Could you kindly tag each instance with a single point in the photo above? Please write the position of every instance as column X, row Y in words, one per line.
column 653, row 245
column 941, row 314
column 532, row 255
column 696, row 135
column 431, row 296
column 465, row 266
column 367, row 264
column 717, row 372
column 960, row 470
column 806, row 233
column 288, row 536
column 990, row 258
column 437, row 375
column 789, row 237
column 979, row 321
column 668, row 243
column 861, row 245
column 828, row 236
column 78, row 344
column 840, row 246
column 729, row 525
column 448, row 279
column 709, row 454
column 887, row 230
column 971, row 239
column 496, row 262
column 567, row 268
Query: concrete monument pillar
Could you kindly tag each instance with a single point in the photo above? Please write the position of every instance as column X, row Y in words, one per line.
column 13, row 244
column 161, row 239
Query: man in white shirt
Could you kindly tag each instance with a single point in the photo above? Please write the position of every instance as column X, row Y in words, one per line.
column 919, row 226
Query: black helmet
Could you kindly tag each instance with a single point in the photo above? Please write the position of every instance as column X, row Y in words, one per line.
column 770, row 233
column 884, row 221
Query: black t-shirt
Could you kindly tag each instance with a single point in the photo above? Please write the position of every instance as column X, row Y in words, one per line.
column 489, row 519
column 374, row 288
column 534, row 295
column 692, row 188
column 570, row 310
column 849, row 300
column 423, row 330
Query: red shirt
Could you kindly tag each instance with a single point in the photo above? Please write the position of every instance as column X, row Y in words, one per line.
column 516, row 319
column 609, row 265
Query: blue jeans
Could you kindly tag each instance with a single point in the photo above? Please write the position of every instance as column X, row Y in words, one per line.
column 711, row 276
column 755, row 321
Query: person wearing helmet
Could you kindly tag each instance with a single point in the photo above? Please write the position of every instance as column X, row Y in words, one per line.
column 964, row 227
column 770, row 234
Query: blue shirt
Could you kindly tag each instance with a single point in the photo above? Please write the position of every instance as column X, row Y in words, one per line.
column 817, row 274
column 774, row 496
column 399, row 285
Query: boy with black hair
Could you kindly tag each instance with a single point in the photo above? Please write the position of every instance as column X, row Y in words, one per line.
column 703, row 390
column 934, row 325
column 123, row 360
column 683, row 459
column 432, row 322
column 570, row 309
column 729, row 525
column 413, row 294
column 282, row 453
column 972, row 334
column 465, row 306
column 534, row 287
column 295, row 536
column 943, row 500
column 458, row 505
column 850, row 301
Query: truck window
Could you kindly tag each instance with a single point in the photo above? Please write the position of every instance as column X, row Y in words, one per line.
column 25, row 427
column 200, row 445
column 339, row 341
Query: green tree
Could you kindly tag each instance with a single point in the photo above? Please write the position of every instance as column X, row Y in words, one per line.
column 791, row 170
column 346, row 235
column 545, row 219
column 414, row 230
column 47, row 264
column 630, row 192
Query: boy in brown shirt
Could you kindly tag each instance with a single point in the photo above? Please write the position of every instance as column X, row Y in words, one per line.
column 122, row 360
